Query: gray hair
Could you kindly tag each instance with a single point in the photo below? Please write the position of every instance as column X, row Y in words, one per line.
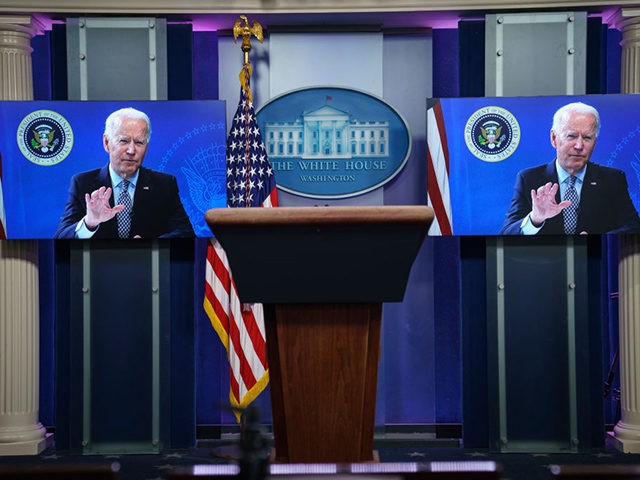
column 114, row 121
column 561, row 117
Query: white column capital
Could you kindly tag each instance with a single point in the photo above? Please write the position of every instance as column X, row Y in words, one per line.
column 16, row 31
column 22, row 23
column 618, row 18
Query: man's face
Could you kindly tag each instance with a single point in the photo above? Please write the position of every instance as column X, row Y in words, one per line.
column 128, row 147
column 575, row 143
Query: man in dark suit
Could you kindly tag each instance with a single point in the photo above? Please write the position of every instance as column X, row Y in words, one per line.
column 148, row 204
column 571, row 195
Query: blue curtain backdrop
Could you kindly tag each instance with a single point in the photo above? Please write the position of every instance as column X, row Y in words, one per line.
column 406, row 348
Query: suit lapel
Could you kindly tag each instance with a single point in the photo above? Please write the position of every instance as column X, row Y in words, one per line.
column 142, row 198
column 554, row 224
column 588, row 193
column 104, row 180
column 552, row 176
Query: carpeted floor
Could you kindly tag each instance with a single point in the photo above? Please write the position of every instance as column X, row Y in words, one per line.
column 515, row 466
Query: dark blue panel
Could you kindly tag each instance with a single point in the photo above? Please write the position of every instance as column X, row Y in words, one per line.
column 68, row 346
column 179, row 60
column 47, row 321
column 475, row 395
column 596, row 337
column 614, row 60
column 408, row 341
column 62, row 376
column 121, row 342
column 59, row 89
column 205, row 66
column 471, row 38
column 182, row 357
column 596, row 66
column 210, row 370
column 41, row 66
column 447, row 325
column 445, row 63
column 611, row 365
column 537, row 393
column 536, row 352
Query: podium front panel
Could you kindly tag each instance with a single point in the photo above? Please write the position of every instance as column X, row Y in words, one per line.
column 323, row 264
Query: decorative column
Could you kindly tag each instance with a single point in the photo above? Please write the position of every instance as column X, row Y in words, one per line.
column 20, row 431
column 627, row 431
column 15, row 58
column 629, row 24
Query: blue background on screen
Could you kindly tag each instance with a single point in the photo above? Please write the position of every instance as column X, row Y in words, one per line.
column 481, row 191
column 187, row 141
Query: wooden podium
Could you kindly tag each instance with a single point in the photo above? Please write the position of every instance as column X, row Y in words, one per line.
column 323, row 274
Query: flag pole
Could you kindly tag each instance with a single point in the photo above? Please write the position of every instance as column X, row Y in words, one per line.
column 250, row 182
column 246, row 31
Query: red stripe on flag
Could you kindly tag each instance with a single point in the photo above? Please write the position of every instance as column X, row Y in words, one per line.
column 255, row 335
column 434, row 192
column 436, row 198
column 442, row 130
column 245, row 368
column 272, row 199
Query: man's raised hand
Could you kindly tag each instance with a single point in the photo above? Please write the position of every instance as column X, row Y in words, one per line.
column 98, row 208
column 544, row 205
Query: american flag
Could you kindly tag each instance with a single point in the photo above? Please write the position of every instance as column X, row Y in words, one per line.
column 3, row 218
column 250, row 183
column 438, row 195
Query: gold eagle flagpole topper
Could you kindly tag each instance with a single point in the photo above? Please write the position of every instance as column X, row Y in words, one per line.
column 246, row 31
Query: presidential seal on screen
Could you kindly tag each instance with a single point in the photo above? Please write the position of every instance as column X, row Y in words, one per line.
column 45, row 137
column 492, row 134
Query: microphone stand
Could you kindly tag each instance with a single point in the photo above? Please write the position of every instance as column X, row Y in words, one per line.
column 608, row 383
column 254, row 448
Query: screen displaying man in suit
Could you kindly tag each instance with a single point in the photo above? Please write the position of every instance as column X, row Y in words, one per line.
column 571, row 194
column 123, row 199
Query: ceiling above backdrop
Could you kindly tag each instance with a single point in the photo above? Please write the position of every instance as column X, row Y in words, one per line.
column 387, row 14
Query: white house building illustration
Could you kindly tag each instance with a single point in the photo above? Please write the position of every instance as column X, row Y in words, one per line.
column 327, row 132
